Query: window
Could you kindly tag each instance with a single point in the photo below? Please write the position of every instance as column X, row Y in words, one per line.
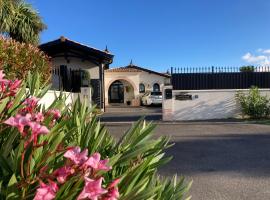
column 141, row 88
column 156, row 87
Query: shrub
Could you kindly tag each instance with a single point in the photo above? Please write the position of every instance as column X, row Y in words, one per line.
column 17, row 59
column 41, row 157
column 250, row 68
column 253, row 104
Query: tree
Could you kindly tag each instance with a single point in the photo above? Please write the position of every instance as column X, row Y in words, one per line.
column 20, row 21
column 248, row 68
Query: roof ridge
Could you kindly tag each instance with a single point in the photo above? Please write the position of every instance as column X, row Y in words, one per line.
column 137, row 68
column 63, row 38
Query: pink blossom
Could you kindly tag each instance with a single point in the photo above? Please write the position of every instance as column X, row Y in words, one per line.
column 97, row 164
column 113, row 193
column 114, row 183
column 2, row 75
column 55, row 112
column 46, row 192
column 38, row 117
column 62, row 173
column 19, row 121
column 37, row 129
column 32, row 101
column 75, row 155
column 14, row 86
column 92, row 189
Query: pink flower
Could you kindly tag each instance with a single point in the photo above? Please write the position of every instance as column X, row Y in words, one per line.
column 114, row 183
column 30, row 104
column 19, row 121
column 55, row 112
column 38, row 117
column 32, row 101
column 113, row 193
column 92, row 189
column 97, row 164
column 62, row 173
column 37, row 129
column 75, row 155
column 2, row 75
column 46, row 192
column 14, row 86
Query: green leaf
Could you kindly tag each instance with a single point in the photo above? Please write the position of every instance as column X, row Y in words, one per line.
column 12, row 190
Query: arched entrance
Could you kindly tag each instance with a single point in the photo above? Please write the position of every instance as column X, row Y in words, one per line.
column 116, row 92
column 120, row 91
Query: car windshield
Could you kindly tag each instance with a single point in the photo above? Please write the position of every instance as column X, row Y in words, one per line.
column 156, row 93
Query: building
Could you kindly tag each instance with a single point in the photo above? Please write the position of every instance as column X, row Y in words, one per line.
column 126, row 85
column 76, row 65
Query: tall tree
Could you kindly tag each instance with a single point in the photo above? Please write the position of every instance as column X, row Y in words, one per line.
column 20, row 21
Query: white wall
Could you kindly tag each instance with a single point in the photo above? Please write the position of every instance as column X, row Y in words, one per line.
column 210, row 104
column 76, row 63
column 50, row 96
column 134, row 78
column 127, row 78
column 149, row 80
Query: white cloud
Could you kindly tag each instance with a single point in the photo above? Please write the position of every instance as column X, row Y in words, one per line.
column 266, row 51
column 261, row 59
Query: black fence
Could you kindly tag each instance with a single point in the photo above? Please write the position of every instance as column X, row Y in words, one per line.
column 69, row 80
column 205, row 78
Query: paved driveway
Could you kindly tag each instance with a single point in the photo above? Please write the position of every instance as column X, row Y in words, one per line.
column 226, row 161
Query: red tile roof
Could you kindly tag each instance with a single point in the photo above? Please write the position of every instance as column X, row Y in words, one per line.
column 123, row 69
column 134, row 68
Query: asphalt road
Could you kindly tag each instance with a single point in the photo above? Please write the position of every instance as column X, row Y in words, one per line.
column 226, row 161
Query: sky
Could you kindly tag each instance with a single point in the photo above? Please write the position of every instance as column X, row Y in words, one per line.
column 160, row 34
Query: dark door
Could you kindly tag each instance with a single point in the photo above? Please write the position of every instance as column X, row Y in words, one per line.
column 116, row 92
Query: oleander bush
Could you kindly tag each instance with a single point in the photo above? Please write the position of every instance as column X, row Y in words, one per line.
column 253, row 104
column 63, row 152
column 17, row 59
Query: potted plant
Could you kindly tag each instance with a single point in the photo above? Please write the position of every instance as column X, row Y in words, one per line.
column 86, row 78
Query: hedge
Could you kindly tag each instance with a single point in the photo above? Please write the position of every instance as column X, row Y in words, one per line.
column 17, row 59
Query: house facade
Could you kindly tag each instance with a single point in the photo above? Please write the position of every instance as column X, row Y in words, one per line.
column 76, row 65
column 126, row 85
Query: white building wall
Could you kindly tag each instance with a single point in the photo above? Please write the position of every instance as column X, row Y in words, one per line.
column 127, row 77
column 134, row 78
column 76, row 63
column 149, row 79
column 51, row 95
column 209, row 104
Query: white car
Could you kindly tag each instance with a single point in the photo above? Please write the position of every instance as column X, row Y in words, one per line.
column 152, row 98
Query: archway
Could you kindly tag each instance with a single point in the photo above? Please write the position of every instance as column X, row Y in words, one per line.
column 120, row 91
column 116, row 92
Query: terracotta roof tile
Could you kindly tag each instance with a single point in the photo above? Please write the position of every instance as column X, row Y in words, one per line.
column 123, row 69
column 134, row 68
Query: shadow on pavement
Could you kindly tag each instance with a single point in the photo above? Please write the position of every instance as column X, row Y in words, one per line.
column 248, row 155
column 129, row 118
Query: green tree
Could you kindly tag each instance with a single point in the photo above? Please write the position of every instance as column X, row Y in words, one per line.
column 20, row 21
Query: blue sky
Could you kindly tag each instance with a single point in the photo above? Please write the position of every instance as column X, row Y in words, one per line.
column 160, row 34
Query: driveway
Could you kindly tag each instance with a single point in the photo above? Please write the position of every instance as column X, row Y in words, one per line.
column 226, row 161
